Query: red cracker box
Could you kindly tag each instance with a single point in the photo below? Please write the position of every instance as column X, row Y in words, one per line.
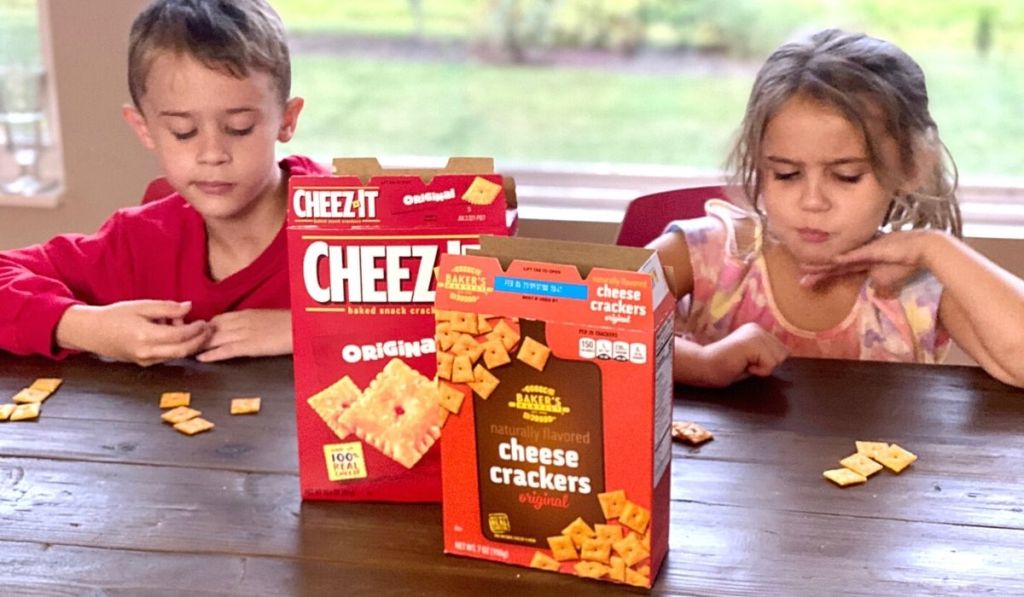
column 555, row 362
column 363, row 247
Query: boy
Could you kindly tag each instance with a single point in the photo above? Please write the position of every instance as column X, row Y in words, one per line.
column 204, row 271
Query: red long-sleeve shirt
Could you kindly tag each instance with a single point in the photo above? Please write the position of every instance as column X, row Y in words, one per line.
column 153, row 251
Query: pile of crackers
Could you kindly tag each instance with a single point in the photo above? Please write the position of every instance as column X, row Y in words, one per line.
column 27, row 403
column 617, row 549
column 869, row 458
column 188, row 420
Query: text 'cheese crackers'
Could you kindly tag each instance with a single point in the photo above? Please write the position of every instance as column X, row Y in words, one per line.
column 363, row 247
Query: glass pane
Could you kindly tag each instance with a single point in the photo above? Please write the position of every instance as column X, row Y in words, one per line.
column 626, row 81
column 19, row 33
column 28, row 165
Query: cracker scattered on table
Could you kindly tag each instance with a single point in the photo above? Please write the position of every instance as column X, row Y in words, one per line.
column 28, row 395
column 175, row 399
column 870, row 449
column 245, row 406
column 690, row 432
column 25, row 412
column 194, row 426
column 179, row 414
column 895, row 458
column 47, row 384
column 6, row 410
column 844, row 476
column 861, row 464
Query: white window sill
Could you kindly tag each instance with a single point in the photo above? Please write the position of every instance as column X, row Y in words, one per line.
column 50, row 200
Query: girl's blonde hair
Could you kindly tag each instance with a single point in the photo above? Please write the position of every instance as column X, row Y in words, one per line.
column 880, row 90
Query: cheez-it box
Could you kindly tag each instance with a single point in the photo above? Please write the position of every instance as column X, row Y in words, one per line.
column 363, row 247
column 555, row 367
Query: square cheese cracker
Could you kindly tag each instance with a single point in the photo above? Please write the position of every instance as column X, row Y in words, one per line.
column 398, row 413
column 332, row 402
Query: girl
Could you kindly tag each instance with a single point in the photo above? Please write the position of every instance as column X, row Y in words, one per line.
column 850, row 247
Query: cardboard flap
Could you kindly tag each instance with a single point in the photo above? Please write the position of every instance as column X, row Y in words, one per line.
column 582, row 256
column 509, row 185
column 367, row 168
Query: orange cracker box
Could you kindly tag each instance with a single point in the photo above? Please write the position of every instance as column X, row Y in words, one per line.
column 363, row 248
column 555, row 367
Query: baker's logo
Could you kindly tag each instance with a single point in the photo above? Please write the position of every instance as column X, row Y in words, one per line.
column 539, row 404
column 466, row 284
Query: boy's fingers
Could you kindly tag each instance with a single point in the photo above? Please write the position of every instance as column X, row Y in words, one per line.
column 221, row 353
column 180, row 349
column 178, row 334
column 162, row 309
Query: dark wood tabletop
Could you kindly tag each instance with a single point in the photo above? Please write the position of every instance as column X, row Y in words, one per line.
column 98, row 497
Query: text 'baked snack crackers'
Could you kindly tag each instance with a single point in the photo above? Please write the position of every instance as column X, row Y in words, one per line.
column 558, row 402
column 363, row 247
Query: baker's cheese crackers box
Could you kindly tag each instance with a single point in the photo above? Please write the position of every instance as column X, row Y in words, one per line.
column 363, row 247
column 555, row 367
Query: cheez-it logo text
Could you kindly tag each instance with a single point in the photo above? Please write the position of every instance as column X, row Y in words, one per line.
column 338, row 204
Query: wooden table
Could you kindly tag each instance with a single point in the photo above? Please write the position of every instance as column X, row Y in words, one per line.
column 100, row 497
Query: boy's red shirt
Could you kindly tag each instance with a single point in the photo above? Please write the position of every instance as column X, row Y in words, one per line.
column 153, row 251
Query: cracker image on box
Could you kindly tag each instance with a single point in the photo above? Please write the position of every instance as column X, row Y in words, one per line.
column 556, row 451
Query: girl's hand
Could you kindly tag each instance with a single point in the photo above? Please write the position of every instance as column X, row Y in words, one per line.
column 144, row 332
column 249, row 333
column 889, row 260
column 748, row 350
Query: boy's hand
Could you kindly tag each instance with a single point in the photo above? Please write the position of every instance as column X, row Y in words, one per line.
column 748, row 350
column 143, row 332
column 889, row 260
column 249, row 333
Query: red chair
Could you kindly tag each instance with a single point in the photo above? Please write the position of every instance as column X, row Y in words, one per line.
column 158, row 188
column 647, row 216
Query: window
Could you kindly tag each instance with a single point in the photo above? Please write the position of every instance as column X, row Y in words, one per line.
column 29, row 170
column 595, row 101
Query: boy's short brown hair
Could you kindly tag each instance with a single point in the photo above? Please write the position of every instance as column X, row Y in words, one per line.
column 230, row 36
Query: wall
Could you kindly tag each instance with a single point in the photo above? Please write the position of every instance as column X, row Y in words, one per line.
column 105, row 167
